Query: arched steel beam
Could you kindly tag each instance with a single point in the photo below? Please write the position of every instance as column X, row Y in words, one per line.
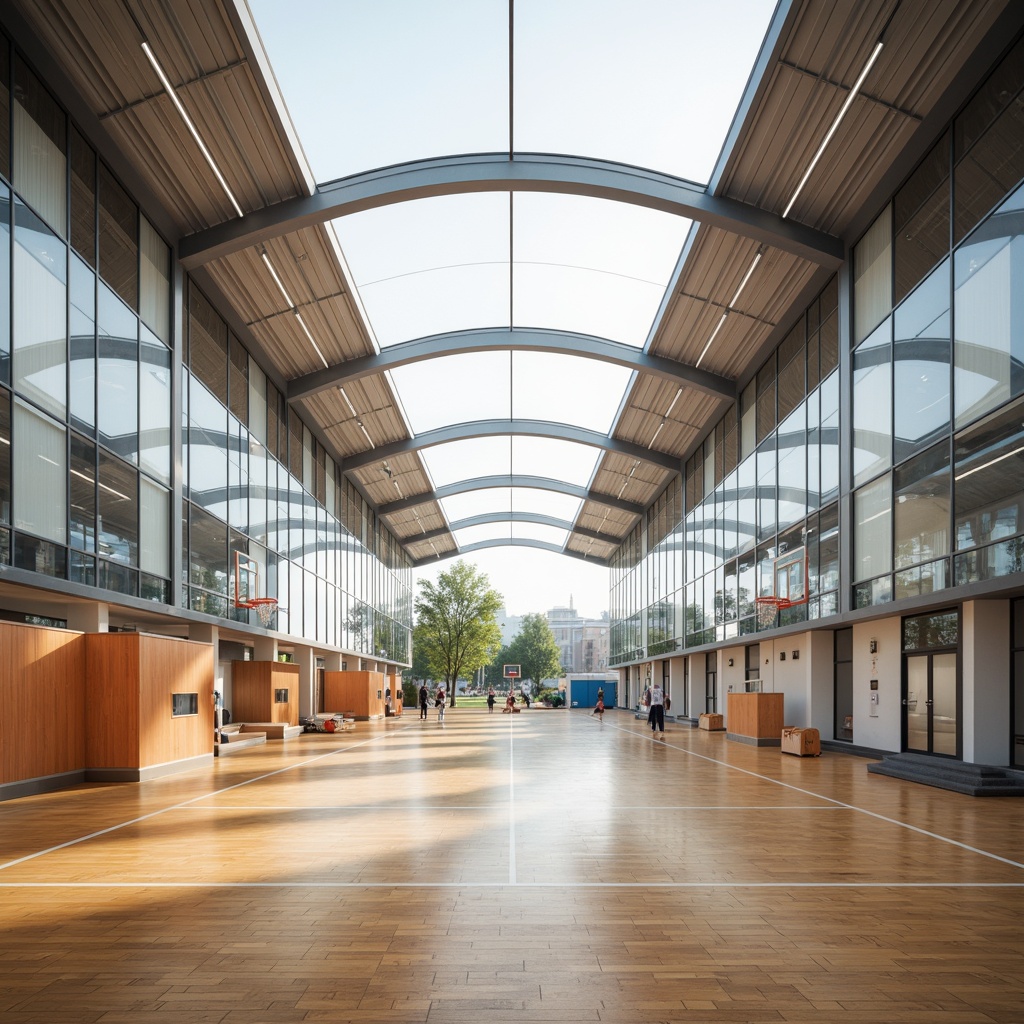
column 484, row 483
column 495, row 172
column 486, row 518
column 516, row 542
column 518, row 339
column 519, row 428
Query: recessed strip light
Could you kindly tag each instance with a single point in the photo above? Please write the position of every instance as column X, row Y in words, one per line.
column 312, row 340
column 191, row 127
column 367, row 436
column 656, row 433
column 273, row 273
column 351, row 407
column 673, row 405
column 835, row 124
column 746, row 277
column 714, row 334
column 991, row 462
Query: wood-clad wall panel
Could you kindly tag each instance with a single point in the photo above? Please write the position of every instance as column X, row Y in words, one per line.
column 756, row 714
column 168, row 666
column 360, row 694
column 252, row 692
column 112, row 700
column 41, row 702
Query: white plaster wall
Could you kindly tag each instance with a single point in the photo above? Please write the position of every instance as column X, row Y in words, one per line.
column 821, row 665
column 698, row 664
column 883, row 732
column 985, row 632
column 730, row 678
column 677, row 684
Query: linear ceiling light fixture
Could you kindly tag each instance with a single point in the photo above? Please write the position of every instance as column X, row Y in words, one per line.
column 191, row 127
column 351, row 407
column 735, row 299
column 273, row 273
column 835, row 124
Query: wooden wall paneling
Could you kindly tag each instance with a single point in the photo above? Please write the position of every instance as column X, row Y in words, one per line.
column 167, row 666
column 358, row 693
column 250, row 682
column 284, row 677
column 112, row 700
column 41, row 702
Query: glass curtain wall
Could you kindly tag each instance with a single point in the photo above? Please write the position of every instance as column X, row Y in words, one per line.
column 85, row 415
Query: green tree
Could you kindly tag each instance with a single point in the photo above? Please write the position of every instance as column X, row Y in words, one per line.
column 456, row 624
column 535, row 650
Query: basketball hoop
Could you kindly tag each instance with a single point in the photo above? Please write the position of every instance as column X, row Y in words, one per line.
column 768, row 609
column 266, row 608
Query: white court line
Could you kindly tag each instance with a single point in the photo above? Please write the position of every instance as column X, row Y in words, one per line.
column 833, row 800
column 185, row 803
column 511, row 803
column 413, row 805
column 495, row 884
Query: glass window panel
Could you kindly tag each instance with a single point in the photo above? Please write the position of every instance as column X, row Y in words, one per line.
column 988, row 352
column 5, row 456
column 872, row 276
column 40, row 148
column 791, row 385
column 155, row 282
column 257, row 402
column 5, row 109
column 117, row 370
column 748, row 420
column 40, row 474
column 872, row 404
column 829, row 397
column 257, row 497
column 83, row 494
column 83, row 198
column 295, row 451
column 208, row 555
column 827, row 554
column 118, row 510
column 766, row 490
column 921, row 219
column 872, row 530
column 989, row 144
column 40, row 313
column 207, row 457
column 208, row 344
column 792, row 472
column 922, row 507
column 921, row 349
column 155, row 407
column 155, row 528
column 82, row 309
column 766, row 410
column 238, row 475
column 5, row 280
column 119, row 239
column 989, row 479
column 238, row 382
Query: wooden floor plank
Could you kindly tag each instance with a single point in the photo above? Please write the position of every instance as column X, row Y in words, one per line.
column 545, row 867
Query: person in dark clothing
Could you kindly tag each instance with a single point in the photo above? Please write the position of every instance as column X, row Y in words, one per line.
column 424, row 700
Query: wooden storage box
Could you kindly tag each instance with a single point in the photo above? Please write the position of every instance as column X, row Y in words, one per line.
column 802, row 742
column 713, row 723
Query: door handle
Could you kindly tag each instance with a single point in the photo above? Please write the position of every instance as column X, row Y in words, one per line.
column 905, row 702
column 928, row 703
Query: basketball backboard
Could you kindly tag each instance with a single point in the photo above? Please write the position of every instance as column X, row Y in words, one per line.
column 790, row 576
column 246, row 582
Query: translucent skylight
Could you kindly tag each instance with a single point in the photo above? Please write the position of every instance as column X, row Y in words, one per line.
column 559, row 460
column 480, row 381
column 430, row 266
column 505, row 531
column 536, row 531
column 591, row 266
column 550, row 503
column 371, row 84
column 567, row 389
column 464, row 460
column 477, row 503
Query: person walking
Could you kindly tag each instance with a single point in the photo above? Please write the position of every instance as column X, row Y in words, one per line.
column 656, row 715
column 424, row 700
column 439, row 702
column 490, row 701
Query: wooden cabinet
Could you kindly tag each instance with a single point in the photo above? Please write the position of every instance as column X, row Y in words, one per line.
column 755, row 718
column 355, row 694
column 265, row 691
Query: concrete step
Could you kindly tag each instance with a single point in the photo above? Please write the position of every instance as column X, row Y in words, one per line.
column 235, row 743
column 955, row 776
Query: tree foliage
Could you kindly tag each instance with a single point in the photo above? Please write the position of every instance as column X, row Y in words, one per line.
column 535, row 650
column 456, row 624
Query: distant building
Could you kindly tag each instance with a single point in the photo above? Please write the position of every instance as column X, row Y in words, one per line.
column 583, row 643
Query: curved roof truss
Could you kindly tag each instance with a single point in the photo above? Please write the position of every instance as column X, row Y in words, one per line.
column 495, row 172
column 516, row 542
column 516, row 339
column 486, row 518
column 483, row 483
column 518, row 428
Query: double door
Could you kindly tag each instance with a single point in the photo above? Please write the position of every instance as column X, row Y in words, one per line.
column 930, row 703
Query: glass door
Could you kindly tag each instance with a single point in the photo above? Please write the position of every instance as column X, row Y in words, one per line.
column 711, row 685
column 930, row 702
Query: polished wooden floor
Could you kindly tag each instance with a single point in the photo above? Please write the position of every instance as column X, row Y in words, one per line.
column 537, row 867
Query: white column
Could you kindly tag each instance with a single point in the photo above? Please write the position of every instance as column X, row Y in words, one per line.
column 305, row 658
column 332, row 661
column 985, row 633
column 204, row 633
column 88, row 616
column 264, row 648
